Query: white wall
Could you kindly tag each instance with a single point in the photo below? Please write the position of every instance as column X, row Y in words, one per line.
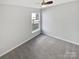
column 15, row 26
column 62, row 21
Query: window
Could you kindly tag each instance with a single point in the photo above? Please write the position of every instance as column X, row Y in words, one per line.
column 35, row 22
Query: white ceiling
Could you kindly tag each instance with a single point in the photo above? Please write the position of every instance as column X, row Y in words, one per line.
column 31, row 3
column 28, row 3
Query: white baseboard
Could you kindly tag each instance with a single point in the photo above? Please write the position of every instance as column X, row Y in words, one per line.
column 14, row 47
column 66, row 40
column 19, row 45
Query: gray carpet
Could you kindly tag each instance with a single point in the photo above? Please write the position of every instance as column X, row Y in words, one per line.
column 44, row 47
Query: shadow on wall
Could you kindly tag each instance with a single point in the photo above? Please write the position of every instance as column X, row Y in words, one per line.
column 61, row 21
column 15, row 26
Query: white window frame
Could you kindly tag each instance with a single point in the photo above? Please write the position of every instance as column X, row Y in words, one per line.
column 37, row 19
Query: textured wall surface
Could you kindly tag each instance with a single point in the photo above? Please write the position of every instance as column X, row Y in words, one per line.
column 15, row 26
column 62, row 21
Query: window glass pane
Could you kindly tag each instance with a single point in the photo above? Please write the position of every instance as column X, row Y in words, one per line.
column 35, row 26
column 35, row 21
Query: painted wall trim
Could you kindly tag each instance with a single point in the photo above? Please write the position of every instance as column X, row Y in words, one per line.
column 18, row 5
column 69, row 41
column 30, row 37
